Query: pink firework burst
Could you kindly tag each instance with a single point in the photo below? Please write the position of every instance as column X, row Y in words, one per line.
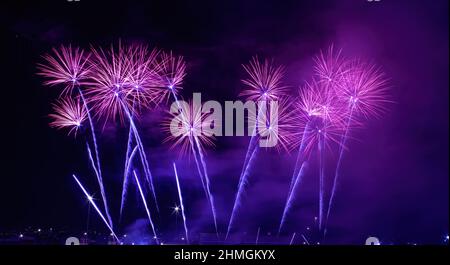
column 170, row 71
column 264, row 81
column 142, row 76
column 69, row 114
column 108, row 89
column 186, row 125
column 319, row 100
column 319, row 114
column 67, row 66
column 329, row 66
column 364, row 89
column 276, row 123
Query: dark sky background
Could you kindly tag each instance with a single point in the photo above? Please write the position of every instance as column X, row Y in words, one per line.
column 395, row 176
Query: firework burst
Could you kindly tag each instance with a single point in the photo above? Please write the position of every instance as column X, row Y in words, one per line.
column 318, row 119
column 143, row 75
column 186, row 130
column 330, row 66
column 275, row 122
column 68, row 67
column 185, row 124
column 364, row 89
column 318, row 115
column 169, row 72
column 69, row 114
column 364, row 92
column 108, row 89
column 264, row 81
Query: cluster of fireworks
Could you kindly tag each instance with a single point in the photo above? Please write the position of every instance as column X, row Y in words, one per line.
column 119, row 83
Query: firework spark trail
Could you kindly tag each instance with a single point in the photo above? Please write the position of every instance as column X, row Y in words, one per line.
column 321, row 180
column 142, row 154
column 201, row 166
column 257, row 236
column 126, row 169
column 194, row 152
column 126, row 179
column 291, row 196
column 91, row 200
column 306, row 240
column 250, row 149
column 172, row 90
column 207, row 184
column 296, row 177
column 181, row 203
column 146, row 208
column 292, row 239
column 263, row 84
column 241, row 188
column 119, row 84
column 300, row 157
column 97, row 157
column 364, row 91
column 197, row 163
column 338, row 165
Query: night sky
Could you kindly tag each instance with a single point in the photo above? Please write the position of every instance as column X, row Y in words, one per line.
column 395, row 176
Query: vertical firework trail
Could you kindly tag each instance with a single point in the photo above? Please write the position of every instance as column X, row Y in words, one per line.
column 300, row 158
column 126, row 179
column 321, row 179
column 263, row 84
column 146, row 207
column 201, row 167
column 91, row 200
column 126, row 171
column 292, row 239
column 257, row 236
column 291, row 195
column 194, row 152
column 338, row 165
column 249, row 158
column 250, row 148
column 304, row 238
column 297, row 176
column 142, row 154
column 97, row 158
column 207, row 183
column 241, row 189
column 181, row 202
